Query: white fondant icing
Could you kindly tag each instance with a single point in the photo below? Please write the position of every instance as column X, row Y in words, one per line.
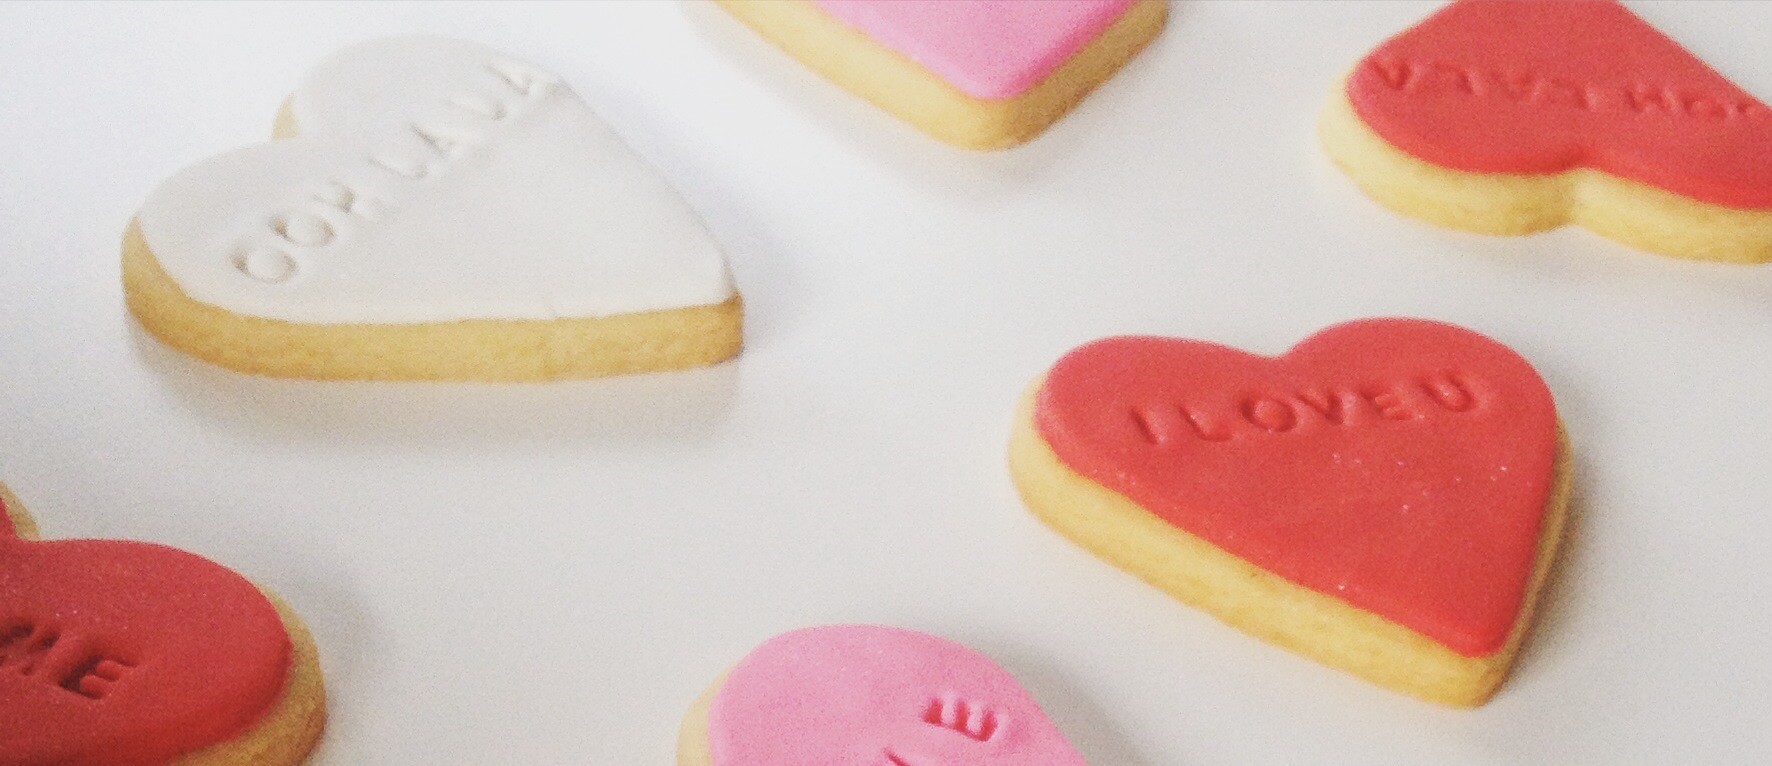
column 433, row 180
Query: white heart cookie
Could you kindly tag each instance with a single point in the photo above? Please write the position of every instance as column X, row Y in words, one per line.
column 433, row 180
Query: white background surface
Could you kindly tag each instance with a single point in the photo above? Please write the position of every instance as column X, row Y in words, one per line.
column 548, row 574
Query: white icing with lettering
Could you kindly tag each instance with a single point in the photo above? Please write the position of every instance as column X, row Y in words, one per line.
column 433, row 180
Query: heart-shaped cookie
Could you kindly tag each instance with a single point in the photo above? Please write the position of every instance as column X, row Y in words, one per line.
column 434, row 210
column 1385, row 496
column 981, row 74
column 120, row 653
column 1514, row 117
column 869, row 696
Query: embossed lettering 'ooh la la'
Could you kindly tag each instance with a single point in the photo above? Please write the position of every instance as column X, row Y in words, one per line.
column 1300, row 411
column 1438, row 78
column 265, row 255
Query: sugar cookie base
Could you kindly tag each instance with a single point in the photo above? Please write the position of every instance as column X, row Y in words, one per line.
column 692, row 737
column 286, row 734
column 478, row 350
column 1622, row 210
column 22, row 525
column 290, row 729
column 1258, row 602
column 914, row 94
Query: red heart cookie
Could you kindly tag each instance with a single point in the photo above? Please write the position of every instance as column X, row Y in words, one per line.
column 1510, row 87
column 1403, row 468
column 1544, row 88
column 120, row 653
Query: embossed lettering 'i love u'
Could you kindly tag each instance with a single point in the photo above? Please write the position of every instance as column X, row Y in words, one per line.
column 1303, row 410
column 1401, row 466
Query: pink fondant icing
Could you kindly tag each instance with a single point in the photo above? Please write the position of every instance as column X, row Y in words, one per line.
column 857, row 695
column 989, row 49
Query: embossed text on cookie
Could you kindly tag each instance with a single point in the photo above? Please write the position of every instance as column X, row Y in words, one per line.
column 41, row 652
column 1283, row 412
column 1434, row 78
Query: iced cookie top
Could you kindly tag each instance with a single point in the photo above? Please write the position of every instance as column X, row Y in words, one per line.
column 1401, row 466
column 878, row 696
column 988, row 49
column 1544, row 87
column 433, row 180
column 128, row 654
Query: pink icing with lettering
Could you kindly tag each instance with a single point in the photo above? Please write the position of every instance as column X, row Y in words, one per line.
column 989, row 49
column 861, row 695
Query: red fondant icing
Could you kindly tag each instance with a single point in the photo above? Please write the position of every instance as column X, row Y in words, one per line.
column 1544, row 87
column 124, row 654
column 1402, row 466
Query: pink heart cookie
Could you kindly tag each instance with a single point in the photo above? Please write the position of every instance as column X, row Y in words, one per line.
column 989, row 50
column 981, row 74
column 869, row 696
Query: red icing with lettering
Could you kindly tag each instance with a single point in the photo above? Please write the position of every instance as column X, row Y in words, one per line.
column 1402, row 466
column 120, row 653
column 1545, row 87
